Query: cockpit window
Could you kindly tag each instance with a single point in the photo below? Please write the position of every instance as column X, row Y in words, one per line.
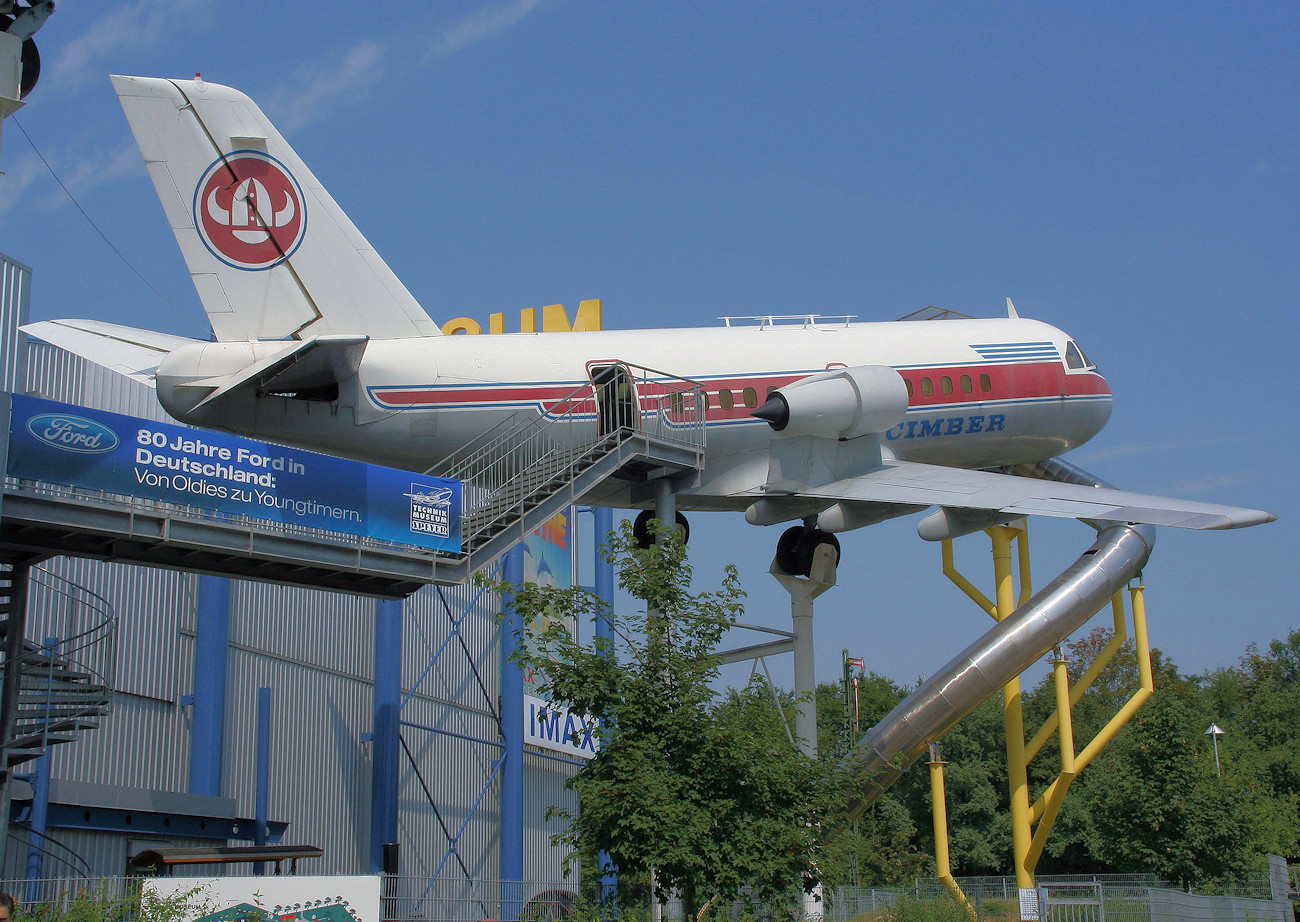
column 1075, row 358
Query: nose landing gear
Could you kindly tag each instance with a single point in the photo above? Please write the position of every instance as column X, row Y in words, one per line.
column 797, row 546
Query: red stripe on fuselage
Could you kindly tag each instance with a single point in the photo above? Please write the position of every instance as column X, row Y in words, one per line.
column 746, row 392
column 950, row 385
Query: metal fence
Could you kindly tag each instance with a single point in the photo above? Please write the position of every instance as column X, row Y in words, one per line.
column 422, row 899
column 1099, row 898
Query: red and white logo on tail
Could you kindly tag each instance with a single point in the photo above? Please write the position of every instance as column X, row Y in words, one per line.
column 249, row 210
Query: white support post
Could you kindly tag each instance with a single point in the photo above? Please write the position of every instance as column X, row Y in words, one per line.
column 803, row 590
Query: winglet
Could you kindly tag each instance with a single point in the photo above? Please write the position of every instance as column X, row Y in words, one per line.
column 1011, row 310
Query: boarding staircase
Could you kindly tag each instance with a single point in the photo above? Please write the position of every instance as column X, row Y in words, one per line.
column 631, row 423
column 62, row 685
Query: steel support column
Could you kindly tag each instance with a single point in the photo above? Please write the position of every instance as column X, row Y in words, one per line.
column 211, row 657
column 387, row 744
column 39, row 779
column 604, row 586
column 263, row 757
column 512, row 730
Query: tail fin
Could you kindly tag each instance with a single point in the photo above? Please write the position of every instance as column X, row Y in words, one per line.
column 272, row 255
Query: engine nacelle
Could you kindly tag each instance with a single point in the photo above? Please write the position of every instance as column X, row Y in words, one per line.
column 187, row 375
column 842, row 403
column 947, row 522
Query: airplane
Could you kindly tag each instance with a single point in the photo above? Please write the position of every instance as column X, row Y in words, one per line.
column 827, row 423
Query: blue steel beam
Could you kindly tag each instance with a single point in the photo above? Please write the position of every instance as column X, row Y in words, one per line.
column 385, row 783
column 512, row 732
column 211, row 655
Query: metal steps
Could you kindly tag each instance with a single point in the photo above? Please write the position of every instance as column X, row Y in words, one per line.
column 64, row 685
column 531, row 466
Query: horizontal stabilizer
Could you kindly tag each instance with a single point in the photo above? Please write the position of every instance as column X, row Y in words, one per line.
column 128, row 351
column 932, row 484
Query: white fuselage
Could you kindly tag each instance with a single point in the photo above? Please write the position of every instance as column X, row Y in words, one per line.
column 981, row 392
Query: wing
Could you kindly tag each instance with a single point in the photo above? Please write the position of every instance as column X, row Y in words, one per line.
column 930, row 484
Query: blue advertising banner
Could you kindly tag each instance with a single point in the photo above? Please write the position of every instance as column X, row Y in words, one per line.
column 58, row 443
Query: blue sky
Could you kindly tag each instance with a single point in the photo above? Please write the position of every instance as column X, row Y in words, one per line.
column 1127, row 172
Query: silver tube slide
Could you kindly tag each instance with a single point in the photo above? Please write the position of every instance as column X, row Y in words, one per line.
column 890, row 747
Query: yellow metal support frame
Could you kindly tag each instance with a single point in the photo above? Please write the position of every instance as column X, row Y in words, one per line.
column 1032, row 820
column 939, row 812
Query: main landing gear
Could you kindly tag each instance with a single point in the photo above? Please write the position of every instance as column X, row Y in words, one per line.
column 797, row 545
column 641, row 528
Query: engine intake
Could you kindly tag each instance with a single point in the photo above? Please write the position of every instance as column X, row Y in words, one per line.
column 842, row 403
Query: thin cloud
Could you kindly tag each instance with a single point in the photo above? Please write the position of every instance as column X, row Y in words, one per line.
column 21, row 173
column 1137, row 449
column 28, row 181
column 1211, row 483
column 315, row 90
column 479, row 26
column 129, row 27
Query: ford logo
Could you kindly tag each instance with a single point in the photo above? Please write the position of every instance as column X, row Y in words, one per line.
column 73, row 433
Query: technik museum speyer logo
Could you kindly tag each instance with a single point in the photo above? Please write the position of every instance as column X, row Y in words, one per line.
column 430, row 509
column 249, row 210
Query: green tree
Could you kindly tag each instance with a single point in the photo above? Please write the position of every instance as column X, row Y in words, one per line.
column 682, row 785
column 1158, row 806
column 880, row 847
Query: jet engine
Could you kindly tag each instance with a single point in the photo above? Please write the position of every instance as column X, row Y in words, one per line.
column 842, row 403
column 192, row 372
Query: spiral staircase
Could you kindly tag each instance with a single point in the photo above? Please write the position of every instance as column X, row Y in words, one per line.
column 60, row 686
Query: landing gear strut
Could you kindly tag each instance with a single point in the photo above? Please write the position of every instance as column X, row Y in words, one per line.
column 796, row 546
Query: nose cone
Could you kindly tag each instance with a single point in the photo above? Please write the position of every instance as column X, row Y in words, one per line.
column 1088, row 409
column 775, row 412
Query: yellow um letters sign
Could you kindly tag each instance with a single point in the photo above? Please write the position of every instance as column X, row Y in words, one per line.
column 555, row 319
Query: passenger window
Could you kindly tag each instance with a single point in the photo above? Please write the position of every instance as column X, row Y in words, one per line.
column 772, row 389
column 725, row 399
column 986, row 384
column 945, row 384
column 1073, row 358
column 927, row 386
column 910, row 389
column 751, row 397
column 966, row 386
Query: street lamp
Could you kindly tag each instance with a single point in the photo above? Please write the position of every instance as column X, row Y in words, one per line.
column 1214, row 733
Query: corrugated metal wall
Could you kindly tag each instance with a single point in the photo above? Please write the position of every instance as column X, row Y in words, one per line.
column 15, row 293
column 315, row 650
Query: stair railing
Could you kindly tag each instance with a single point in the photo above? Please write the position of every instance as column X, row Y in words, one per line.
column 67, row 677
column 532, row 454
column 78, row 626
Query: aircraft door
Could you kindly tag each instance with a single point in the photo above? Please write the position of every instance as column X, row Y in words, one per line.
column 617, row 406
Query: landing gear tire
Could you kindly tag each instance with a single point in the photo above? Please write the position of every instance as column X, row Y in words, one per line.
column 641, row 528
column 31, row 61
column 786, row 550
column 797, row 545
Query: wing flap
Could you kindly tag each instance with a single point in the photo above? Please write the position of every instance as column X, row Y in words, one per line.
column 930, row 484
